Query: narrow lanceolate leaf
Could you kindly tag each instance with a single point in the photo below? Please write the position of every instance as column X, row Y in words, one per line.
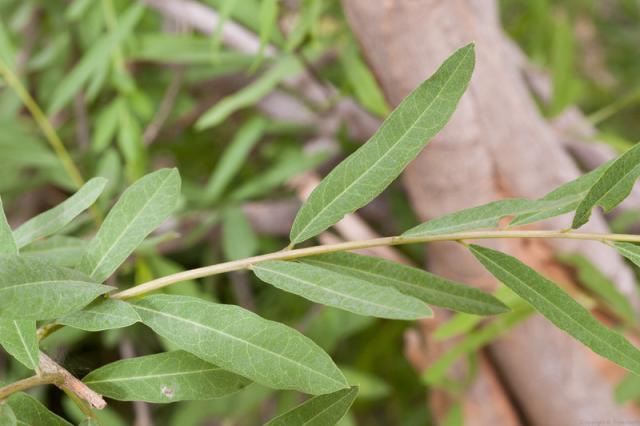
column 346, row 292
column 142, row 208
column 30, row 412
column 322, row 410
column 413, row 282
column 239, row 241
column 166, row 377
column 612, row 187
column 105, row 314
column 94, row 61
column 35, row 289
column 250, row 94
column 7, row 416
column 473, row 341
column 561, row 200
column 369, row 170
column 233, row 158
column 56, row 218
column 18, row 338
column 546, row 297
column 484, row 216
column 59, row 249
column 237, row 340
column 7, row 243
column 630, row 251
column 591, row 277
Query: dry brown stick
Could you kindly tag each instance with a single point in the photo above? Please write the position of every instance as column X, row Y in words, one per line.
column 49, row 367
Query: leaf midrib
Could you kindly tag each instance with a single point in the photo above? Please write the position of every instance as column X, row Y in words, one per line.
column 365, row 301
column 154, row 376
column 23, row 238
column 34, row 363
column 130, row 224
column 407, row 283
column 324, row 410
column 242, row 341
column 383, row 156
column 46, row 282
column 625, row 356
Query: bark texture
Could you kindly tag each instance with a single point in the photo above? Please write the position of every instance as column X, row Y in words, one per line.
column 497, row 145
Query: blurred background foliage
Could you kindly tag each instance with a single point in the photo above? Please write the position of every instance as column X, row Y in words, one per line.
column 112, row 88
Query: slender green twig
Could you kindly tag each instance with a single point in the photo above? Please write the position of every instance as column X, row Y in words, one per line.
column 355, row 245
column 79, row 402
column 28, row 383
column 49, row 132
column 43, row 122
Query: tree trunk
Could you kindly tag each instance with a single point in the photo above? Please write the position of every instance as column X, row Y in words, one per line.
column 497, row 145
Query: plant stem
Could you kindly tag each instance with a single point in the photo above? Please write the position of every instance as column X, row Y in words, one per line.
column 80, row 403
column 49, row 132
column 44, row 124
column 355, row 245
column 28, row 383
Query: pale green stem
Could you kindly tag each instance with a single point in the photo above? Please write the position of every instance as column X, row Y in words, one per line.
column 44, row 124
column 28, row 383
column 80, row 403
column 290, row 254
column 49, row 132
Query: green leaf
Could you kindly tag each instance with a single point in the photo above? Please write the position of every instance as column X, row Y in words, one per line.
column 612, row 187
column 237, row 340
column 106, row 126
column 7, row 243
column 250, row 94
column 289, row 165
column 30, row 412
column 58, row 249
column 563, row 199
column 161, row 378
column 413, row 282
column 226, row 9
column 365, row 86
column 323, row 410
column 7, row 416
column 238, row 239
column 370, row 387
column 346, row 292
column 628, row 389
column 130, row 141
column 471, row 343
column 140, row 209
column 233, row 158
column 95, row 59
column 559, row 308
column 330, row 326
column 35, row 289
column 187, row 49
column 310, row 14
column 18, row 338
column 106, row 314
column 368, row 171
column 58, row 217
column 630, row 251
column 484, row 216
column 268, row 23
column 592, row 278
